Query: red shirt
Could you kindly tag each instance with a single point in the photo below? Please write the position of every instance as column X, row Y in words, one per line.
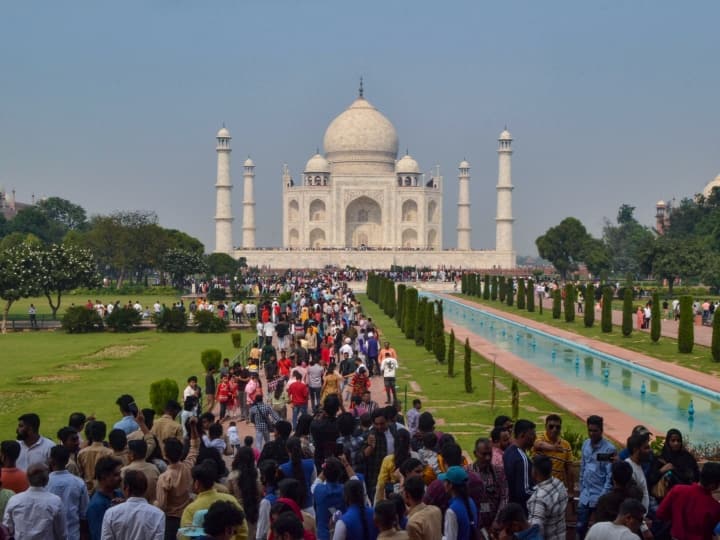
column 285, row 364
column 298, row 392
column 693, row 512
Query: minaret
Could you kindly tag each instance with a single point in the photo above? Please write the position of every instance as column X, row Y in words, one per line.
column 463, row 226
column 504, row 219
column 248, row 228
column 223, row 190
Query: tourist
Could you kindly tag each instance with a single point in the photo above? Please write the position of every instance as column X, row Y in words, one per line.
column 513, row 524
column 548, row 503
column 518, row 468
column 677, row 464
column 424, row 520
column 357, row 522
column 461, row 516
column 550, row 443
column 279, row 399
column 219, row 522
column 36, row 513
column 359, row 382
column 299, row 396
column 268, row 478
column 70, row 439
column 302, row 470
column 437, row 493
column 210, row 387
column 166, row 427
column 34, row 448
column 192, row 388
column 413, row 416
column 324, row 430
column 386, row 521
column 244, row 483
column 302, row 431
column 595, row 472
column 500, row 438
column 107, row 492
column 138, row 453
column 638, row 445
column 135, row 517
column 624, row 487
column 315, row 381
column 277, row 448
column 129, row 410
column 72, row 493
column 13, row 478
column 327, row 492
column 288, row 526
column 380, row 442
column 388, row 480
column 264, row 418
column 332, row 383
column 625, row 527
column 691, row 509
column 174, row 486
column 89, row 456
column 494, row 493
column 372, row 350
column 388, row 367
column 224, row 396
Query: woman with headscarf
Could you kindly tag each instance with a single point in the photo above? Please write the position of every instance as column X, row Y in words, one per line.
column 677, row 465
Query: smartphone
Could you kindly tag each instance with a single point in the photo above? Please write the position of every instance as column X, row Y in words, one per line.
column 605, row 456
column 133, row 408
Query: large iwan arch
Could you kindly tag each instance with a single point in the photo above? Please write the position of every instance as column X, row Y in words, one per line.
column 363, row 223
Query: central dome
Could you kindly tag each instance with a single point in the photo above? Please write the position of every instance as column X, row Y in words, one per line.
column 361, row 140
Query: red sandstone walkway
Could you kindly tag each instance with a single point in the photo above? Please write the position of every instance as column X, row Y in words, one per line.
column 617, row 423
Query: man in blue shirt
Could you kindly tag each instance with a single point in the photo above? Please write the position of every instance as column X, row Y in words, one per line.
column 595, row 472
column 71, row 490
column 107, row 493
column 129, row 410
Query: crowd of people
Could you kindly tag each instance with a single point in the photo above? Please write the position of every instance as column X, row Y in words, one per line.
column 326, row 459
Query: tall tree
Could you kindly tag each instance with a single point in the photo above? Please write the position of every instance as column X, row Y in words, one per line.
column 626, row 242
column 686, row 329
column 565, row 245
column 451, row 354
column 221, row 265
column 627, row 313
column 589, row 314
column 655, row 321
column 674, row 258
column 64, row 268
column 439, row 333
column 606, row 313
column 181, row 264
column 19, row 267
column 68, row 215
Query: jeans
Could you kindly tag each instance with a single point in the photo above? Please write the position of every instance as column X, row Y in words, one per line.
column 315, row 397
column 242, row 401
column 261, row 437
column 298, row 411
column 584, row 512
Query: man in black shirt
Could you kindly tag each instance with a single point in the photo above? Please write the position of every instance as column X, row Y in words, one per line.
column 210, row 388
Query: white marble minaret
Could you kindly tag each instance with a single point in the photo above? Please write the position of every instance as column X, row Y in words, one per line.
column 463, row 226
column 248, row 228
column 504, row 219
column 223, row 191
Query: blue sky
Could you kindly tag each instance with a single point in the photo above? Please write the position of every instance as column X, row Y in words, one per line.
column 115, row 105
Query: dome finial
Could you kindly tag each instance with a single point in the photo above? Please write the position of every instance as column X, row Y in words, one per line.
column 360, row 90
column 317, row 149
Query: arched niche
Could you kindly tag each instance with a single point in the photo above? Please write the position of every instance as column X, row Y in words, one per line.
column 363, row 223
column 317, row 210
column 409, row 210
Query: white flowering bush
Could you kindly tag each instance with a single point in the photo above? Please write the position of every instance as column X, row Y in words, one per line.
column 19, row 276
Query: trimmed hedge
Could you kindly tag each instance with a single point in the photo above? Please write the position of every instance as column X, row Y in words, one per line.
column 123, row 319
column 530, row 301
column 521, row 294
column 161, row 392
column 211, row 357
column 715, row 345
column 81, row 320
column 171, row 320
column 569, row 302
column 686, row 330
column 206, row 322
column 467, row 366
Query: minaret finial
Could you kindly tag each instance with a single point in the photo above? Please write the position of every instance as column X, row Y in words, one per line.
column 223, row 124
column 407, row 151
column 317, row 149
column 361, row 91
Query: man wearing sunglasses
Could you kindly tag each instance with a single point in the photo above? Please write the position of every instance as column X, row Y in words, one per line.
column 552, row 445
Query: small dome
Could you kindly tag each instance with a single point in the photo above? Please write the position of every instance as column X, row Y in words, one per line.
column 223, row 133
column 318, row 164
column 505, row 136
column 464, row 165
column 710, row 185
column 660, row 203
column 249, row 163
column 407, row 165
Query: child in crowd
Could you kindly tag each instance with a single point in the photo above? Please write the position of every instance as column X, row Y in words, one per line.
column 214, row 438
column 427, row 453
column 233, row 438
column 249, row 442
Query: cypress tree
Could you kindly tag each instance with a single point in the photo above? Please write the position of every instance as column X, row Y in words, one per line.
column 530, row 296
column 463, row 284
column 390, row 302
column 557, row 302
column 468, row 367
column 515, row 397
column 494, row 288
column 521, row 294
column 381, row 293
column 606, row 313
column 655, row 321
column 478, row 286
column 473, row 284
column 627, row 312
column 486, row 287
column 429, row 325
column 569, row 303
column 715, row 344
column 410, row 307
column 509, row 292
column 686, row 331
column 502, row 289
column 400, row 303
column 439, row 330
column 420, row 321
column 451, row 355
column 589, row 315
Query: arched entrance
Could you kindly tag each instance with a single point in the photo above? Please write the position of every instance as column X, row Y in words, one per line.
column 317, row 239
column 363, row 223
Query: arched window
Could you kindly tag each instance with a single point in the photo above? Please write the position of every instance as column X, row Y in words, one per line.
column 317, row 181
column 408, row 181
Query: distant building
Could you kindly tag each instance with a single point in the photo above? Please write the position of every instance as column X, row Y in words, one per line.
column 663, row 210
column 8, row 206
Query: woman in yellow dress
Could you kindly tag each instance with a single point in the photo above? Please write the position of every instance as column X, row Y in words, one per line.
column 331, row 383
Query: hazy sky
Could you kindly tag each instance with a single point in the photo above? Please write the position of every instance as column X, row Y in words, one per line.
column 115, row 105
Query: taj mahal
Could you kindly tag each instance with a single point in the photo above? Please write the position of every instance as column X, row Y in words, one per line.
column 359, row 205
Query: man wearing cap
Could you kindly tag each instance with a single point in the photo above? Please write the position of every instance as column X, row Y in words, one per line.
column 461, row 516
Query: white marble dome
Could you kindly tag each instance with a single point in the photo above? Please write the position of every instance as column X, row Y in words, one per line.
column 464, row 165
column 361, row 134
column 317, row 164
column 505, row 136
column 249, row 163
column 407, row 165
column 710, row 185
column 223, row 133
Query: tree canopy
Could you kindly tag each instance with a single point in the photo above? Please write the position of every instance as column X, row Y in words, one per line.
column 568, row 244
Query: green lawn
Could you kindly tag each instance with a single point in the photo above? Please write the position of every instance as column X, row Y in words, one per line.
column 665, row 349
column 54, row 374
column 467, row 416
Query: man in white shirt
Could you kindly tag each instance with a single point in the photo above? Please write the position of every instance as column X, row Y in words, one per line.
column 157, row 307
column 72, row 492
column 36, row 514
column 388, row 366
column 346, row 347
column 625, row 527
column 34, row 448
column 135, row 518
column 638, row 446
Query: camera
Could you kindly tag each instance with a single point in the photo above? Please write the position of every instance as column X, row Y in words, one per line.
column 608, row 456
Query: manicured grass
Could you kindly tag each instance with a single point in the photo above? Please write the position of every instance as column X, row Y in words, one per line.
column 665, row 349
column 466, row 416
column 19, row 309
column 54, row 374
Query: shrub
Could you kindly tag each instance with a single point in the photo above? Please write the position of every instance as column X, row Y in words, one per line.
column 211, row 358
column 236, row 338
column 521, row 294
column 123, row 319
column 161, row 392
column 486, row 287
column 715, row 345
column 569, row 303
column 467, row 366
column 606, row 313
column 530, row 296
column 627, row 312
column 589, row 315
column 170, row 320
column 206, row 322
column 451, row 354
column 410, row 308
column 80, row 320
column 557, row 303
column 439, row 334
column 655, row 321
column 686, row 331
column 215, row 294
column 285, row 297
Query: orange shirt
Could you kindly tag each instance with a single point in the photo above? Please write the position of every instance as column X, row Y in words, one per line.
column 14, row 479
